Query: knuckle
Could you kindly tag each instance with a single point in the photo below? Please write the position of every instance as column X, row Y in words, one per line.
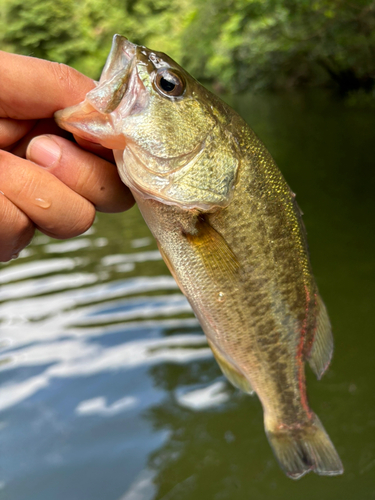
column 79, row 219
column 16, row 176
column 69, row 81
column 17, row 231
column 25, row 186
column 85, row 219
column 25, row 234
column 62, row 74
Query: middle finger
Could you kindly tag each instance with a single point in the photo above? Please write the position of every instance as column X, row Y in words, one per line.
column 55, row 208
column 89, row 175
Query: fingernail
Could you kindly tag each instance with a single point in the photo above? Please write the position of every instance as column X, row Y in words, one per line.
column 43, row 151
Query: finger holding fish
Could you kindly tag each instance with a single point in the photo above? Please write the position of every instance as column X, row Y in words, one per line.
column 11, row 131
column 59, row 199
column 35, row 88
column 86, row 174
column 53, row 207
column 55, row 192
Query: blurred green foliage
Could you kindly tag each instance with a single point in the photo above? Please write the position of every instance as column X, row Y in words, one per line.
column 234, row 44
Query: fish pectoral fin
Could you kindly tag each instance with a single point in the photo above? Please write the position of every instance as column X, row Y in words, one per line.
column 234, row 376
column 213, row 250
column 320, row 354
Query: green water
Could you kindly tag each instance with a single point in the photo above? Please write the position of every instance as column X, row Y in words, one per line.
column 109, row 391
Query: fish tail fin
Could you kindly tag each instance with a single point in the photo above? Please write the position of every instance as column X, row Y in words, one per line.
column 302, row 448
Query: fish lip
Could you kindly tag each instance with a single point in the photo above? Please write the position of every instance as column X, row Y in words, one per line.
column 117, row 67
column 121, row 53
column 116, row 73
column 93, row 118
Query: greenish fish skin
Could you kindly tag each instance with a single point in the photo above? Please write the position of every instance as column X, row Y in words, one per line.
column 230, row 231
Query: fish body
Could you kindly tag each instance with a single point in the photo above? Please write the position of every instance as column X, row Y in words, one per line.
column 230, row 231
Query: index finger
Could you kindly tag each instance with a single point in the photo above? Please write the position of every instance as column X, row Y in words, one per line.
column 35, row 88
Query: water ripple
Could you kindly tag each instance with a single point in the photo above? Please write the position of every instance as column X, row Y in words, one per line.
column 203, row 398
column 110, row 260
column 32, row 288
column 78, row 358
column 68, row 246
column 99, row 406
column 37, row 308
column 37, row 268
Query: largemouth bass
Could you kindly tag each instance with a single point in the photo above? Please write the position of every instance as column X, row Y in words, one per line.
column 229, row 230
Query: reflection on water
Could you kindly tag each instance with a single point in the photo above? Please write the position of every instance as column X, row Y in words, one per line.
column 108, row 388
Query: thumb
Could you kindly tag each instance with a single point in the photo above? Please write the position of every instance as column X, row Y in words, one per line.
column 35, row 88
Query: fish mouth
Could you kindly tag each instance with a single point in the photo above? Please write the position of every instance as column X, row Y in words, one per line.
column 93, row 118
column 114, row 79
column 120, row 93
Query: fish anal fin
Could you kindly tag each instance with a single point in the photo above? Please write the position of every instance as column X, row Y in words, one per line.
column 320, row 353
column 214, row 251
column 303, row 448
column 234, row 376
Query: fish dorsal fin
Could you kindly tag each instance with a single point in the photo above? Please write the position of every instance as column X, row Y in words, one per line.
column 320, row 354
column 234, row 376
column 213, row 249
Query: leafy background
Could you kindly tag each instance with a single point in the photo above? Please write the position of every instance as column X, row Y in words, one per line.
column 232, row 44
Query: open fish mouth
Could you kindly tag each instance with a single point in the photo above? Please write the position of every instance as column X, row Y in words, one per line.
column 119, row 94
column 114, row 79
column 94, row 118
column 145, row 110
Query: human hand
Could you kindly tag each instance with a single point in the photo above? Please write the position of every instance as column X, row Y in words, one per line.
column 47, row 181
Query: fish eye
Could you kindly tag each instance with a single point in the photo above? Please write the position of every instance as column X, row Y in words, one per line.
column 169, row 83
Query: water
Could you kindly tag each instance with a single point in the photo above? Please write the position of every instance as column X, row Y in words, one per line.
column 109, row 390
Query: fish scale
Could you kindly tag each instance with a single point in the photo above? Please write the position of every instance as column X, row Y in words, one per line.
column 230, row 231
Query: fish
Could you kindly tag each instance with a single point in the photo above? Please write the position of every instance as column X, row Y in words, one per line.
column 230, row 231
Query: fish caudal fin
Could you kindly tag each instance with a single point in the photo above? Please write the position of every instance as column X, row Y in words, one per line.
column 320, row 354
column 303, row 448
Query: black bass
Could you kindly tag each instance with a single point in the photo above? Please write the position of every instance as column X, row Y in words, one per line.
column 230, row 231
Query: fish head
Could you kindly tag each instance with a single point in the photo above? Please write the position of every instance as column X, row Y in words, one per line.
column 169, row 134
